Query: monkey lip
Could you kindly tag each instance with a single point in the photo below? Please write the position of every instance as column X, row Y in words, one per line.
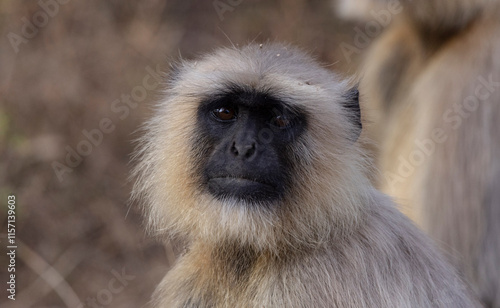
column 228, row 180
column 241, row 188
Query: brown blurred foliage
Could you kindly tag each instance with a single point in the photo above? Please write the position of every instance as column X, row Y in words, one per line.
column 74, row 233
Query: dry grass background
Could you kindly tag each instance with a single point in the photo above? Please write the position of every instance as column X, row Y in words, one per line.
column 72, row 234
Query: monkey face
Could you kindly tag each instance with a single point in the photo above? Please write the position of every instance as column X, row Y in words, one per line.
column 256, row 145
column 249, row 136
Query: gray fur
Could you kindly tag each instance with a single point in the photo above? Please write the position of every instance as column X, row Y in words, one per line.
column 335, row 241
column 447, row 50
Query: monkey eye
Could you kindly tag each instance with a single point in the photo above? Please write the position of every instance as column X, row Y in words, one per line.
column 224, row 114
column 281, row 121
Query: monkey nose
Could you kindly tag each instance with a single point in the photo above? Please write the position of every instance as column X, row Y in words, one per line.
column 243, row 150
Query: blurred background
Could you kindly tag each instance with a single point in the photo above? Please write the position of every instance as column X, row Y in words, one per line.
column 77, row 78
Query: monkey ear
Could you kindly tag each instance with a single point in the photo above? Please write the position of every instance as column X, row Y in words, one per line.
column 351, row 103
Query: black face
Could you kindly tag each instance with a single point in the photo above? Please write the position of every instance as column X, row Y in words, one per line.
column 244, row 145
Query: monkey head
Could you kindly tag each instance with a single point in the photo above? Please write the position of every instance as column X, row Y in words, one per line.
column 256, row 145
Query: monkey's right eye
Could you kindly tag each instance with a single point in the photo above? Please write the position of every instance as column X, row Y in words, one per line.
column 224, row 114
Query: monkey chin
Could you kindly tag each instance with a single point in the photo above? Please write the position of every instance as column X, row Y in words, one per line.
column 243, row 190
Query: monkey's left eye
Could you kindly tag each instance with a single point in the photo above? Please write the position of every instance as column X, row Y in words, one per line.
column 281, row 121
column 224, row 114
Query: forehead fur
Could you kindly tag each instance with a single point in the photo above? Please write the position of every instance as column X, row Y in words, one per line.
column 269, row 68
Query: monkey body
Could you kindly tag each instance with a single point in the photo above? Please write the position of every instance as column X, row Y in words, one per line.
column 463, row 211
column 254, row 158
column 374, row 267
column 433, row 81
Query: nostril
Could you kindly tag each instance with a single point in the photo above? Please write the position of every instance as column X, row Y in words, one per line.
column 250, row 150
column 234, row 150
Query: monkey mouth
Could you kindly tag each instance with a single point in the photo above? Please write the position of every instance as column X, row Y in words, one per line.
column 242, row 188
column 239, row 180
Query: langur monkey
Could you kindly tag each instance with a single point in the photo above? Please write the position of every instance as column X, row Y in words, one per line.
column 254, row 158
column 432, row 82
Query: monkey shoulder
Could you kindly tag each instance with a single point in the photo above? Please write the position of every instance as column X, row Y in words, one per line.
column 390, row 252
